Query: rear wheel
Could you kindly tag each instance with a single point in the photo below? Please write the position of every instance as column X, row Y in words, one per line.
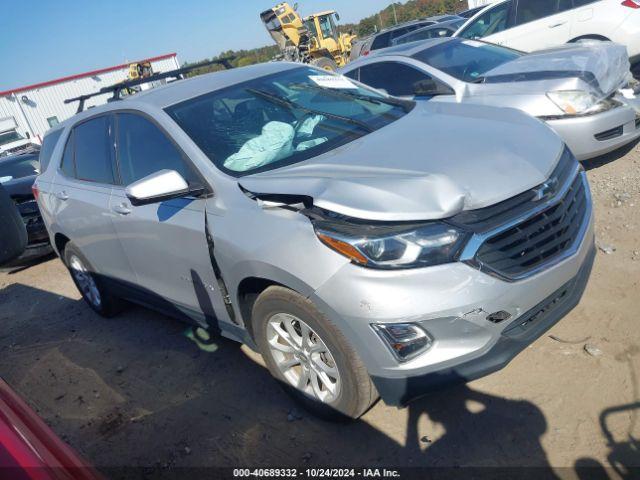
column 91, row 287
column 325, row 63
column 309, row 356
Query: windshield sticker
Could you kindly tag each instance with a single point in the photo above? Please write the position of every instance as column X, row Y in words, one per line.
column 332, row 81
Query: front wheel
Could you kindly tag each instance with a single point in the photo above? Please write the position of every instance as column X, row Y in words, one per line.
column 309, row 356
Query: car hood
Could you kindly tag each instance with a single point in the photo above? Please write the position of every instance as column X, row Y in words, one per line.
column 434, row 162
column 599, row 68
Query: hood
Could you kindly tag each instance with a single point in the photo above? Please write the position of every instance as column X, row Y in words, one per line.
column 436, row 161
column 599, row 68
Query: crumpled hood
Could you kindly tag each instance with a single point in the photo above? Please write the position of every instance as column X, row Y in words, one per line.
column 434, row 162
column 599, row 68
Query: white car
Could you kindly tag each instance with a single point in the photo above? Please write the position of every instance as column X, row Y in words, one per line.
column 530, row 25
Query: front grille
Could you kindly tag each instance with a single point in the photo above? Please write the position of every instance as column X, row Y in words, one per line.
column 538, row 240
column 519, row 236
column 610, row 134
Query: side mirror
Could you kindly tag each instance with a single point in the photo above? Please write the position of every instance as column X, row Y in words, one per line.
column 159, row 186
column 429, row 87
column 295, row 6
column 337, row 17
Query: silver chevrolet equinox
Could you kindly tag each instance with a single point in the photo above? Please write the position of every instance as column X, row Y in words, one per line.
column 365, row 245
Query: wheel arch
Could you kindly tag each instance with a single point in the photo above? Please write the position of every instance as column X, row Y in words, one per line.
column 590, row 37
column 60, row 242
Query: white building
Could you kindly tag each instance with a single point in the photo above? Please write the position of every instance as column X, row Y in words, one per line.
column 36, row 108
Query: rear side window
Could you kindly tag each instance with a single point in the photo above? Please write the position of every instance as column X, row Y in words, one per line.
column 381, row 41
column 49, row 143
column 396, row 78
column 93, row 152
column 531, row 10
column 493, row 21
column 144, row 149
column 68, row 166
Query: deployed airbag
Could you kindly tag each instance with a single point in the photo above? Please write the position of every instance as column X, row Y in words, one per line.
column 273, row 144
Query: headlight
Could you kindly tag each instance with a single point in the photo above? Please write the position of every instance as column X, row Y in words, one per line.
column 393, row 247
column 578, row 102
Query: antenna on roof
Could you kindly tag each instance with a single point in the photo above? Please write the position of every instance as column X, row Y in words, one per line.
column 177, row 74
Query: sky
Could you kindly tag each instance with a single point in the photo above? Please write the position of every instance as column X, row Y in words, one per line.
column 45, row 39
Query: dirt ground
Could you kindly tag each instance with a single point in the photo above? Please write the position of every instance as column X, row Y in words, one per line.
column 135, row 390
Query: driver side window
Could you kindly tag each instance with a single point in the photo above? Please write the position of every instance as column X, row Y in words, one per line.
column 493, row 21
column 395, row 78
column 144, row 149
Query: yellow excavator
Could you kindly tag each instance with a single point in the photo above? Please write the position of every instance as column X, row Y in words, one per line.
column 314, row 39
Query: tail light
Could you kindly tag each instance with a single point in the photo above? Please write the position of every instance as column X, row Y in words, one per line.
column 631, row 3
column 35, row 190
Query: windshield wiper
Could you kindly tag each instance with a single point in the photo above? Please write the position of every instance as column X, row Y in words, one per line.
column 406, row 105
column 285, row 102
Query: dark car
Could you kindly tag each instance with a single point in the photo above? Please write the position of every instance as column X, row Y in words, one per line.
column 13, row 240
column 17, row 174
column 439, row 30
column 384, row 38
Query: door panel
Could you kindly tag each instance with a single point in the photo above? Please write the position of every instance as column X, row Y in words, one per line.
column 165, row 241
column 166, row 245
column 81, row 207
column 540, row 24
column 81, row 211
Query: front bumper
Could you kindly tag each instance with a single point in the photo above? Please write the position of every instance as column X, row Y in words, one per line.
column 514, row 339
column 590, row 136
column 454, row 303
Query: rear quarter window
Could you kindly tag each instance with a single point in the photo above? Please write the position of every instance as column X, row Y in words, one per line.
column 49, row 143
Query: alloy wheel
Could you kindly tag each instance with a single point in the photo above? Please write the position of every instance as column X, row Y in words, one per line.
column 85, row 281
column 303, row 358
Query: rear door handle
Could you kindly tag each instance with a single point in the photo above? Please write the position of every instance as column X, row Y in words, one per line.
column 121, row 209
column 556, row 25
column 62, row 196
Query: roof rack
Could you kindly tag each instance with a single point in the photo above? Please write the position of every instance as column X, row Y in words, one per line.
column 177, row 74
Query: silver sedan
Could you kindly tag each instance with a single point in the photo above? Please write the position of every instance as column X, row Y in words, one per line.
column 583, row 91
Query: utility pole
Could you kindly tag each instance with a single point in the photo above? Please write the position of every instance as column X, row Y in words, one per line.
column 395, row 17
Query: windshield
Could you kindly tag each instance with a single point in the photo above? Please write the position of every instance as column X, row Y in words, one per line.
column 466, row 60
column 283, row 119
column 18, row 167
column 8, row 137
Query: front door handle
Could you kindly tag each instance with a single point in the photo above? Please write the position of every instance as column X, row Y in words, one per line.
column 62, row 196
column 556, row 25
column 121, row 209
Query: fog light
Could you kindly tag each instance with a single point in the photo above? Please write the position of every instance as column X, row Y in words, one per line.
column 405, row 340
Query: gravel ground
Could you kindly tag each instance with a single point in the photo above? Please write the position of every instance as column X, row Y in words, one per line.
column 136, row 390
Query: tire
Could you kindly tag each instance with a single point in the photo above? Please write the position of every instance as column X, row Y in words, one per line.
column 325, row 63
column 98, row 296
column 352, row 393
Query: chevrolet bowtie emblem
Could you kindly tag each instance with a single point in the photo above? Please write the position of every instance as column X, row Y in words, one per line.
column 546, row 190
